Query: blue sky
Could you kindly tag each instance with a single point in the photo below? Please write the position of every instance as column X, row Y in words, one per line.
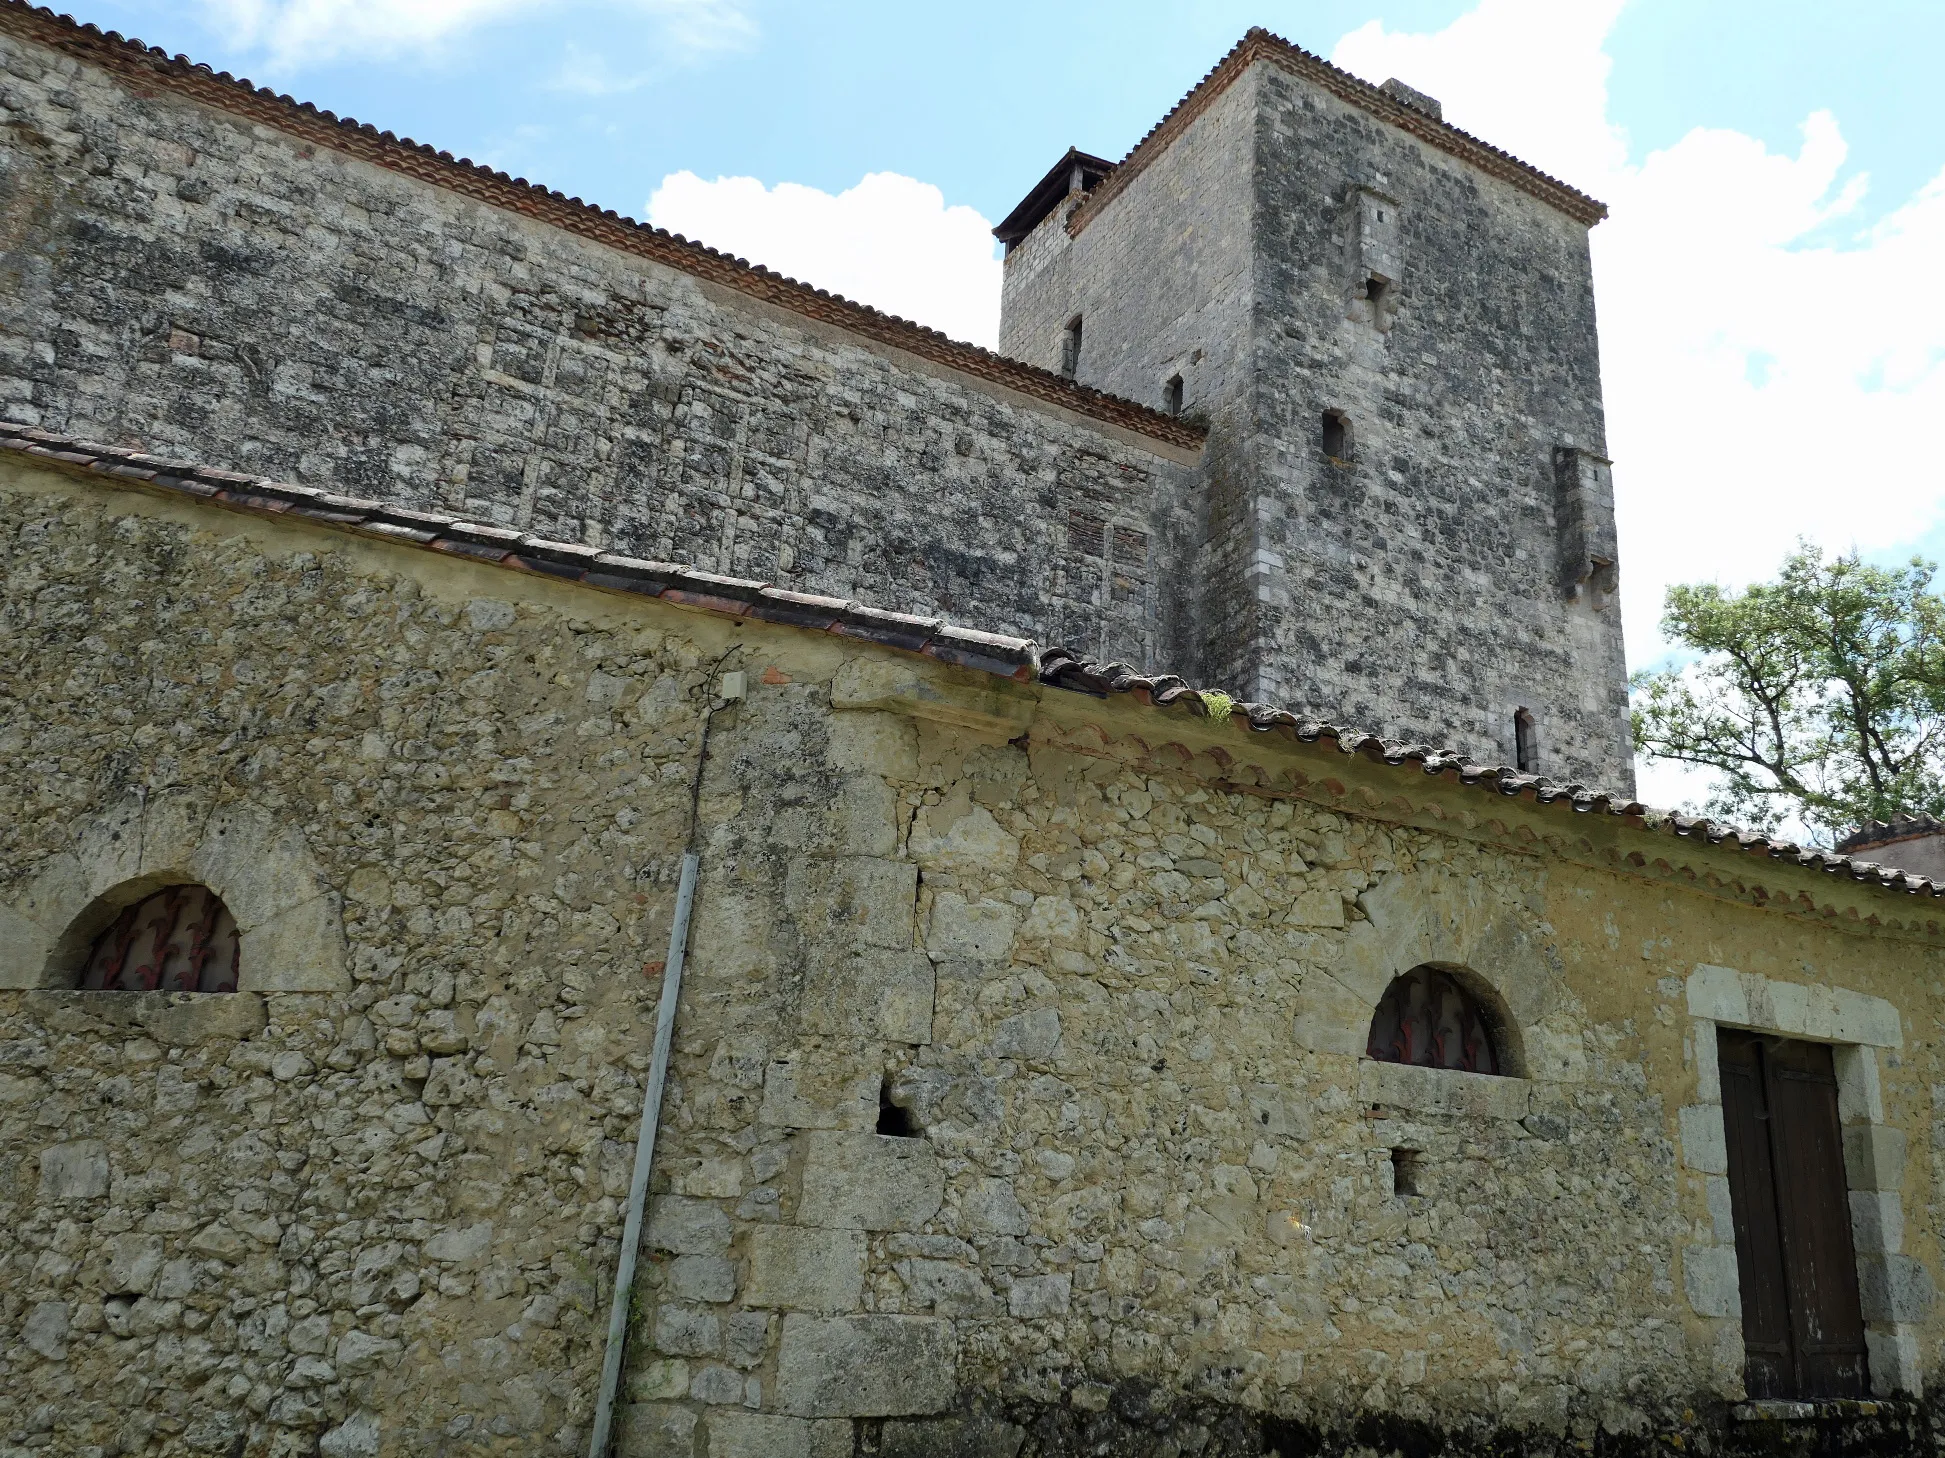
column 1771, row 301
column 821, row 94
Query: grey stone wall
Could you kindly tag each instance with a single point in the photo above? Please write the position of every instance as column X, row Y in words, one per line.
column 174, row 276
column 1117, row 965
column 1419, row 585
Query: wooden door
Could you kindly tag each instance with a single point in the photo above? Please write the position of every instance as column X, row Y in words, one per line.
column 1802, row 1325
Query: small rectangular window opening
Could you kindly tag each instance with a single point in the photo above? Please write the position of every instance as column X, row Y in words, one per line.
column 895, row 1119
column 1375, row 289
column 1337, row 435
column 1526, row 743
column 1405, row 1170
column 1172, row 393
column 1070, row 348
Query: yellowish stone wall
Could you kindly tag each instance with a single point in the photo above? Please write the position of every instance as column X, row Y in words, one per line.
column 1117, row 963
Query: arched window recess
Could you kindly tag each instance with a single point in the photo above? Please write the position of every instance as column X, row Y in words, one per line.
column 180, row 939
column 1431, row 1018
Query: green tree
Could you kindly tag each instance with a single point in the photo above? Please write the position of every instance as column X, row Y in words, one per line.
column 1819, row 697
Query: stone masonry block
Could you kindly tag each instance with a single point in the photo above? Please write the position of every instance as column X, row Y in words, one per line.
column 1032, row 1035
column 853, row 900
column 1877, row 1220
column 1710, row 1276
column 978, row 931
column 1893, row 1288
column 735, row 1434
column 873, row 994
column 687, row 1227
column 655, row 1430
column 869, row 1182
column 802, row 1269
column 866, row 1366
column 820, row 1093
column 1705, row 1148
column 77, row 1171
column 1874, row 1157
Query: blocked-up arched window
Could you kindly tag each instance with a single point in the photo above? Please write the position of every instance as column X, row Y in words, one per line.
column 1428, row 1018
column 181, row 939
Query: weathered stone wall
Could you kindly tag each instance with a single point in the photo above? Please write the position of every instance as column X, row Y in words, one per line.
column 1115, row 964
column 1423, row 584
column 173, row 276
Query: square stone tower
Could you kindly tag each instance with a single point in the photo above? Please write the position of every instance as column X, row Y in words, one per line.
column 1405, row 518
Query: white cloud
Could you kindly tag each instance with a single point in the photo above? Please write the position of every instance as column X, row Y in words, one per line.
column 1771, row 369
column 890, row 242
column 291, row 34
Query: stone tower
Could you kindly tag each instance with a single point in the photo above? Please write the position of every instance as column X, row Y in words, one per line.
column 1405, row 513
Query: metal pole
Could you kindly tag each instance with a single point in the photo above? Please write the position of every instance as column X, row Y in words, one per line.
column 631, row 1231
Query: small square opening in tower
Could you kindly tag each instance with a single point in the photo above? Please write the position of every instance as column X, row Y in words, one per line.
column 1375, row 289
column 895, row 1119
column 1337, row 435
column 1405, row 1172
column 1172, row 395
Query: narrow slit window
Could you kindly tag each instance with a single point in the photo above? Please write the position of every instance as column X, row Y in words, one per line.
column 1526, row 743
column 1070, row 348
column 1404, row 1172
column 1337, row 435
column 895, row 1119
column 1172, row 395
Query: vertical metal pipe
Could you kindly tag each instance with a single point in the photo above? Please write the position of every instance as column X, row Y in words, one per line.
column 631, row 1231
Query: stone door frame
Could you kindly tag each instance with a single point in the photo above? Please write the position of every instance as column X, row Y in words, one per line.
column 1894, row 1287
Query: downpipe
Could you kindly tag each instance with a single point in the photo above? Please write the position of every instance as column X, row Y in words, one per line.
column 733, row 688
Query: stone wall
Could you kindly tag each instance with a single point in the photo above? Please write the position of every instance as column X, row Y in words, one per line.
column 174, row 276
column 1438, row 576
column 1108, row 970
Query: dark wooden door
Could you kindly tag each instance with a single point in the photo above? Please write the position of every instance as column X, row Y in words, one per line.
column 1802, row 1326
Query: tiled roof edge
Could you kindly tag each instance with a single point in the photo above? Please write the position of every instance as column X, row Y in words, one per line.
column 1259, row 44
column 150, row 65
column 1011, row 658
column 1063, row 669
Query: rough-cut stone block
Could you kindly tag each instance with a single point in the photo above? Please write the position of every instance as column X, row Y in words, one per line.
column 768, row 1435
column 684, row 1226
column 869, row 1182
column 866, row 1366
column 1036, row 1296
column 655, row 1430
column 77, row 1171
column 979, row 931
column 702, row 1278
column 852, row 900
column 821, row 1093
column 803, row 1269
column 1874, row 1157
column 1447, row 1091
column 1709, row 1276
column 687, row 1331
column 977, row 1435
column 1032, row 1035
column 874, row 994
column 1893, row 1288
column 1705, row 1147
column 1877, row 1221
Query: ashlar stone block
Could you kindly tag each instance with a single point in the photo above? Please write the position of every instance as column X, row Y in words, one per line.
column 769, row 1435
column 876, row 994
column 866, row 1366
column 801, row 1269
column 869, row 1182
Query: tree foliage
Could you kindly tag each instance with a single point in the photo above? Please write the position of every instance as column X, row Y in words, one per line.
column 1819, row 697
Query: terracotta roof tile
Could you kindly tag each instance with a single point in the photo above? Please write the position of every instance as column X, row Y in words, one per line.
column 150, row 66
